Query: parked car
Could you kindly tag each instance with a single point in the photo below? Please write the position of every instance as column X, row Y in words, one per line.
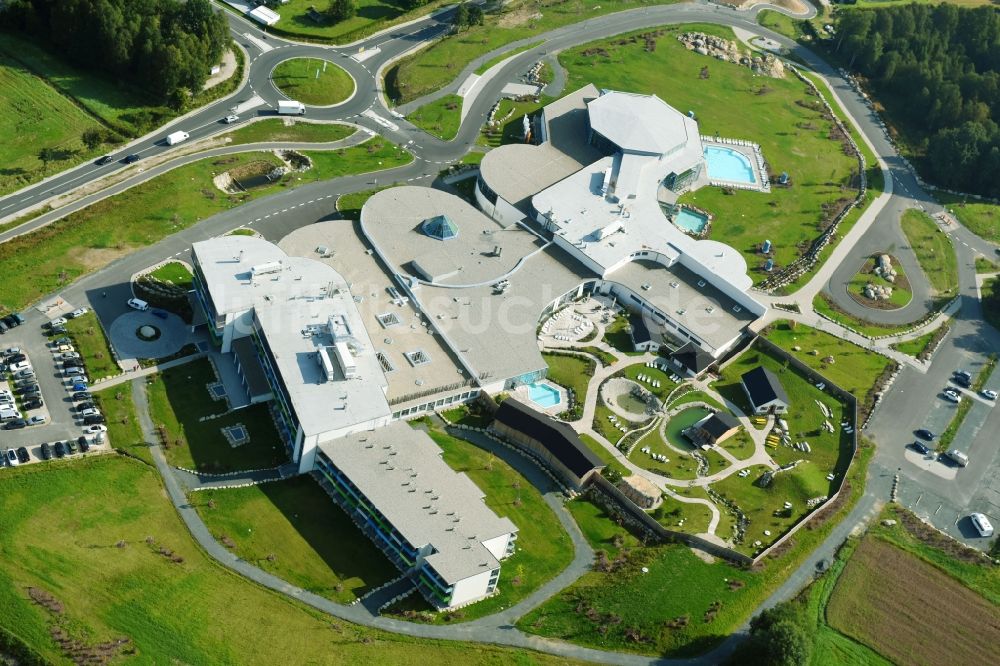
column 960, row 458
column 27, row 373
column 82, row 395
column 64, row 348
column 84, row 405
column 70, row 446
column 79, row 384
column 11, row 351
column 160, row 313
column 72, row 372
column 73, row 363
column 96, row 428
column 60, row 449
column 93, row 419
column 989, row 394
column 3, row 327
column 83, row 444
column 79, row 312
column 67, row 356
column 57, row 330
column 46, row 451
column 952, row 396
column 11, row 457
column 920, row 448
column 27, row 388
column 89, row 411
column 22, row 454
column 33, row 403
column 15, row 424
column 982, row 524
column 58, row 321
column 62, row 341
column 38, row 419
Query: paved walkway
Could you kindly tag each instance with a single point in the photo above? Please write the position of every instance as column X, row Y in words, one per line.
column 195, row 481
column 145, row 372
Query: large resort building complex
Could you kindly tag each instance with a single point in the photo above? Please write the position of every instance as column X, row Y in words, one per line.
column 428, row 300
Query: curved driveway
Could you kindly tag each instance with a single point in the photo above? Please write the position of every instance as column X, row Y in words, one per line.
column 313, row 202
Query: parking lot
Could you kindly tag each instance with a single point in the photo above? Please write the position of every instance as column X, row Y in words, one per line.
column 42, row 389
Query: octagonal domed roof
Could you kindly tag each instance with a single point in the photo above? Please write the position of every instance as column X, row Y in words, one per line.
column 639, row 123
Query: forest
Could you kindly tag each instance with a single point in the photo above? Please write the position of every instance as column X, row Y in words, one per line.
column 936, row 70
column 165, row 47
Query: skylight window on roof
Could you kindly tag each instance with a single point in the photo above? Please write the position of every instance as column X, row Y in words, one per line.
column 384, row 361
column 388, row 319
column 417, row 357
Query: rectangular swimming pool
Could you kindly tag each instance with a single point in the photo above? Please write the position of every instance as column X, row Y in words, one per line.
column 729, row 165
column 543, row 395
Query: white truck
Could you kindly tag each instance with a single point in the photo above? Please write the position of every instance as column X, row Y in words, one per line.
column 288, row 107
column 176, row 137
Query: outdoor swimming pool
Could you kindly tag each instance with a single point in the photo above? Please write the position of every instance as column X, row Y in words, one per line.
column 688, row 220
column 543, row 395
column 729, row 165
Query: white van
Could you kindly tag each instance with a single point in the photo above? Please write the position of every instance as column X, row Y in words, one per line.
column 960, row 458
column 138, row 304
column 982, row 524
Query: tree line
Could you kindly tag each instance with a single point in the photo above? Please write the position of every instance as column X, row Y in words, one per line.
column 936, row 69
column 166, row 47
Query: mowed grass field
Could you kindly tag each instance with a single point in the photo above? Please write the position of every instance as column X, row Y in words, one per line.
column 179, row 400
column 43, row 261
column 88, row 534
column 275, row 129
column 292, row 529
column 780, row 114
column 36, row 117
column 934, row 252
column 910, row 612
column 313, row 81
column 371, row 15
column 980, row 217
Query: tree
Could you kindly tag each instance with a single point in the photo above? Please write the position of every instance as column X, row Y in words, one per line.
column 92, row 137
column 461, row 18
column 476, row 15
column 341, row 10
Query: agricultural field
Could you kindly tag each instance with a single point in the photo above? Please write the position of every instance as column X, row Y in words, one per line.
column 292, row 529
column 122, row 565
column 909, row 611
column 313, row 81
column 179, row 400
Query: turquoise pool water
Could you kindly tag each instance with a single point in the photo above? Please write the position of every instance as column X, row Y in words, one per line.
column 729, row 165
column 543, row 395
column 690, row 221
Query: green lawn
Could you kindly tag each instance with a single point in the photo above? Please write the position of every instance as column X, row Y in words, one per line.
column 38, row 122
column 482, row 69
column 572, row 372
column 666, row 384
column 188, row 611
column 511, row 129
column 696, row 396
column 473, row 415
column 990, row 294
column 371, row 16
column 616, row 334
column 916, row 346
column 685, row 517
column 434, row 67
column 92, row 345
column 980, row 217
column 45, row 260
column 313, row 81
column 124, row 432
column 678, row 585
column 900, row 295
column 680, row 466
column 175, row 273
column 984, row 265
column 854, row 369
column 604, row 455
column 275, row 129
column 292, row 529
column 178, row 399
column 822, row 304
column 543, row 547
column 779, row 114
column 934, row 252
column 441, row 117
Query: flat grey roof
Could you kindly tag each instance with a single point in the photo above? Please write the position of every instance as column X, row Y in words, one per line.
column 226, row 262
column 641, row 123
column 392, row 218
column 401, row 472
column 406, row 330
column 686, row 298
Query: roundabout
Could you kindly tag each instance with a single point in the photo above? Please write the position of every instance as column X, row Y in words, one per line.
column 313, row 81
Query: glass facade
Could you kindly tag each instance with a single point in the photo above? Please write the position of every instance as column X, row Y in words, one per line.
column 486, row 190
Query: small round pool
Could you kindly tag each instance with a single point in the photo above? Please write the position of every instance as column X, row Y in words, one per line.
column 544, row 395
column 729, row 165
column 688, row 220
